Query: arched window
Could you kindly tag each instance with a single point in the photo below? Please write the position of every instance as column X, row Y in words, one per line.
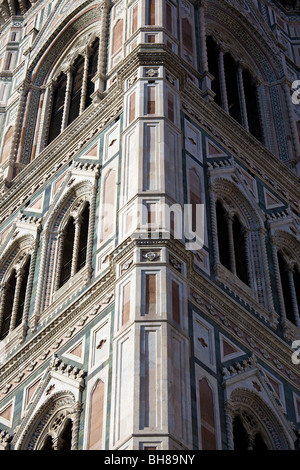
column 13, row 298
column 77, row 76
column 59, row 436
column 57, row 107
column 232, row 243
column 246, row 434
column 73, row 245
column 235, row 88
column 72, row 90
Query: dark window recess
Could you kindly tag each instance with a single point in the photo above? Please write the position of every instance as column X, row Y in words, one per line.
column 67, row 253
column 66, row 437
column 286, row 289
column 213, row 67
column 76, row 90
column 22, row 293
column 252, row 105
column 57, row 108
column 240, row 250
column 48, row 444
column 240, row 436
column 223, row 236
column 83, row 238
column 259, row 444
column 232, row 87
column 8, row 304
column 297, row 286
column 93, row 66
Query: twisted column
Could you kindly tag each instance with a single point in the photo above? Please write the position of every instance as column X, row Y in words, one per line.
column 242, row 96
column 19, row 276
column 278, row 285
column 290, row 271
column 65, row 117
column 99, row 84
column 46, row 117
column 214, row 227
column 84, row 81
column 229, row 219
column 17, row 130
column 77, row 223
column 2, row 302
column 89, row 251
column 60, row 246
column 229, row 426
column 223, row 88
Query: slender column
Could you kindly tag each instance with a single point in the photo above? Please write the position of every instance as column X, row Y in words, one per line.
column 22, row 6
column 229, row 426
column 77, row 223
column 42, row 274
column 84, row 81
column 250, row 442
column 60, row 245
column 19, row 276
column 75, row 427
column 17, row 130
column 89, row 251
column 278, row 285
column 247, row 237
column 29, row 285
column 222, row 79
column 268, row 293
column 99, row 83
column 57, row 443
column 203, row 50
column 214, row 227
column 231, row 243
column 290, row 271
column 67, row 99
column 2, row 303
column 261, row 114
column 242, row 96
column 46, row 118
column 23, row 128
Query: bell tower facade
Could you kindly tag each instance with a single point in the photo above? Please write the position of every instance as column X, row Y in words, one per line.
column 149, row 225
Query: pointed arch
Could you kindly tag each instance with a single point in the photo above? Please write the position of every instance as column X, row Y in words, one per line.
column 67, row 240
column 258, row 422
column 46, row 427
column 16, row 274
